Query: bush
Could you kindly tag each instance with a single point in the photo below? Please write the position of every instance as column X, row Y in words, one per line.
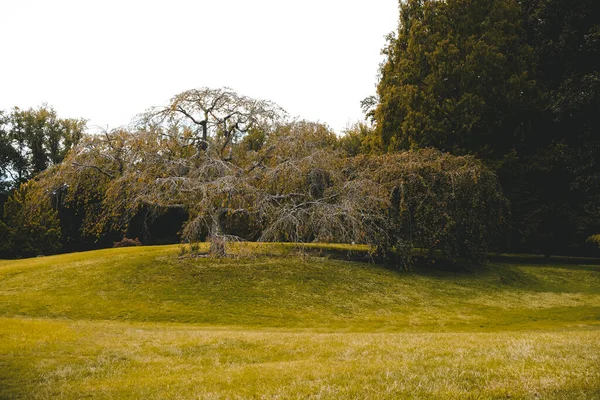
column 127, row 242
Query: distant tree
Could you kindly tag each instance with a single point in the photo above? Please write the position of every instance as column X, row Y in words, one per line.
column 30, row 141
column 358, row 138
column 7, row 157
column 30, row 226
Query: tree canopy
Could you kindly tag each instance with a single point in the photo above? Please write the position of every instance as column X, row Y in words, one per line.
column 238, row 170
column 514, row 83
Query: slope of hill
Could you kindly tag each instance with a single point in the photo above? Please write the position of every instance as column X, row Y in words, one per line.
column 146, row 323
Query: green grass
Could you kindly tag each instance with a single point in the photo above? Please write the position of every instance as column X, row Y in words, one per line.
column 145, row 323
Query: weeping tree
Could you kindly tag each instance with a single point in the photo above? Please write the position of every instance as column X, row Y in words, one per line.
column 212, row 120
column 290, row 181
column 295, row 188
column 436, row 201
column 311, row 192
column 179, row 156
column 212, row 183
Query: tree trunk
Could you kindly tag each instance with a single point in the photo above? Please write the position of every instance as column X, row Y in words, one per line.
column 217, row 239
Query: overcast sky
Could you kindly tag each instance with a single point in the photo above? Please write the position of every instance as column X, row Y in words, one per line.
column 109, row 60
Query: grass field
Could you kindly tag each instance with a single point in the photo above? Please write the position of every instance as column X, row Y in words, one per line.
column 143, row 323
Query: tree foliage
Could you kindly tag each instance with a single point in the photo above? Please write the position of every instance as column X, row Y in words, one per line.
column 31, row 226
column 237, row 169
column 32, row 140
column 564, row 164
column 514, row 83
column 438, row 202
column 276, row 181
column 457, row 77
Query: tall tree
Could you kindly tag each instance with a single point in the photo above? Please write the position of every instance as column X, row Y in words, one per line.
column 32, row 140
column 457, row 77
column 561, row 171
column 515, row 83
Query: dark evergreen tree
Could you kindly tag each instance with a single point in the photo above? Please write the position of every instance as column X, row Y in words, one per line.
column 457, row 77
column 557, row 198
column 516, row 83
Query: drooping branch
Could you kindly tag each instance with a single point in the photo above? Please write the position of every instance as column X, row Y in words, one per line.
column 94, row 167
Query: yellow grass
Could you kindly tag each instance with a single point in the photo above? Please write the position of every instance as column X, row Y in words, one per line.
column 145, row 324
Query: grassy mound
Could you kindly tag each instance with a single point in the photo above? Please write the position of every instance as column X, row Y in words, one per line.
column 145, row 323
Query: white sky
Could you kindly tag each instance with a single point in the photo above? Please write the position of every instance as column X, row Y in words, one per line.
column 109, row 60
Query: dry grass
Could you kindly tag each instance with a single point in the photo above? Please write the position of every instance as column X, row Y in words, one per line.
column 73, row 327
column 47, row 359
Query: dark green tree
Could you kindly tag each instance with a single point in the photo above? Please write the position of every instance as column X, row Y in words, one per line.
column 30, row 227
column 457, row 77
column 32, row 140
column 516, row 83
column 556, row 190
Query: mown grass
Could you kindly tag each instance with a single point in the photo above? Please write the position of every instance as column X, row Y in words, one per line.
column 146, row 323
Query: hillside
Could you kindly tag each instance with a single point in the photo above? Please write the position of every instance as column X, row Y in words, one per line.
column 146, row 323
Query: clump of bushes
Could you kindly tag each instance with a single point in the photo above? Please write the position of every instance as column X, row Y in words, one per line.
column 127, row 242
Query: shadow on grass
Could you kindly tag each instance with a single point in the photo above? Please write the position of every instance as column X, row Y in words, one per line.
column 533, row 259
column 11, row 380
column 440, row 267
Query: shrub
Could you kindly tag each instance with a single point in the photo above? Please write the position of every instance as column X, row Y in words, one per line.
column 127, row 242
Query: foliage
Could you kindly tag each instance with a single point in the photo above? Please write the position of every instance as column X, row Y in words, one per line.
column 457, row 77
column 561, row 183
column 31, row 140
column 595, row 239
column 358, row 139
column 127, row 242
column 30, row 227
column 212, row 120
column 514, row 83
column 298, row 188
column 263, row 179
column 436, row 201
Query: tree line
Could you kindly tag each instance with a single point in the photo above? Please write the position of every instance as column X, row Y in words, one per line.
column 228, row 167
column 482, row 135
